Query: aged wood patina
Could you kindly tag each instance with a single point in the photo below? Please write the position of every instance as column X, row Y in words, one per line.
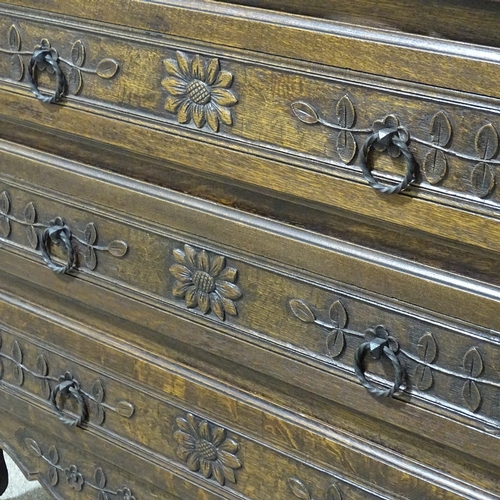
column 248, row 250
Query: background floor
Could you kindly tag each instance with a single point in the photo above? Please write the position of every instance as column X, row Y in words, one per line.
column 20, row 488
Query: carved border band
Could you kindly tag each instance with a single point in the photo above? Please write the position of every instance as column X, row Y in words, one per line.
column 422, row 360
column 435, row 165
column 106, row 68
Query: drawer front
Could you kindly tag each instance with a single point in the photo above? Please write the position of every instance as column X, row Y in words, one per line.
column 188, row 435
column 278, row 300
column 313, row 124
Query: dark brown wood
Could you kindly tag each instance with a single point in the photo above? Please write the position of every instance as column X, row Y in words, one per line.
column 205, row 294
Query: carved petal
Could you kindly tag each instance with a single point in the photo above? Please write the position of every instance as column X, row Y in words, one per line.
column 228, row 290
column 224, row 97
column 224, row 80
column 212, row 71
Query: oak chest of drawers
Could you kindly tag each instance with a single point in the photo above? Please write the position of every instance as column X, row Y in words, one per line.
column 250, row 251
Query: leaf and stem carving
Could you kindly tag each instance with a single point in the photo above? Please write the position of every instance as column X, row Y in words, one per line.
column 300, row 490
column 435, row 164
column 106, row 68
column 87, row 241
column 41, row 373
column 74, row 478
column 425, row 358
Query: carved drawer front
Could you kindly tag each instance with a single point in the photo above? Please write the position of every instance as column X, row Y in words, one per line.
column 198, row 435
column 308, row 310
column 312, row 130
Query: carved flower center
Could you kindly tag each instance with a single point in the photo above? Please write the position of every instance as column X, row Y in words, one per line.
column 204, row 281
column 198, row 92
column 207, row 450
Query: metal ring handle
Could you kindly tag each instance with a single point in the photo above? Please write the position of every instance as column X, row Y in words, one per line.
column 69, row 388
column 45, row 56
column 57, row 233
column 399, row 371
column 385, row 137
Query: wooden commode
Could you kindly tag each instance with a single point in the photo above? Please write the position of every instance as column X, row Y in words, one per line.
column 250, row 250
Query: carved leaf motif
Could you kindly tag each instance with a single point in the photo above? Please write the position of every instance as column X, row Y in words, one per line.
column 346, row 146
column 440, row 129
column 30, row 213
column 482, row 179
column 118, row 248
column 17, row 352
column 4, row 226
column 100, row 478
column 427, row 348
column 90, row 257
column 423, row 377
column 18, row 374
column 32, row 445
column 125, row 409
column 53, row 476
column 14, row 38
column 335, row 343
column 53, row 455
column 4, row 203
column 305, row 112
column 302, row 311
column 299, row 489
column 471, row 395
column 473, row 362
column 486, row 142
column 78, row 53
column 42, row 366
column 90, row 233
column 435, row 166
column 345, row 112
column 16, row 67
column 44, row 384
column 98, row 391
column 32, row 237
column 338, row 314
column 333, row 493
column 100, row 415
column 107, row 68
column 75, row 81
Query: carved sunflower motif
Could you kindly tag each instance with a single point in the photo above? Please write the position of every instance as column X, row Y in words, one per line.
column 205, row 447
column 198, row 91
column 205, row 282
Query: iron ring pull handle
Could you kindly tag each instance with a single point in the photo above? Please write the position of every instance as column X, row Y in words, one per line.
column 381, row 345
column 66, row 388
column 59, row 234
column 46, row 56
column 384, row 138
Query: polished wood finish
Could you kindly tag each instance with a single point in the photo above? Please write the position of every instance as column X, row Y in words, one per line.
column 224, row 263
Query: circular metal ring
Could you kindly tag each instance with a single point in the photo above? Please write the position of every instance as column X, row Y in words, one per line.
column 57, row 233
column 411, row 165
column 39, row 56
column 69, row 387
column 399, row 371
